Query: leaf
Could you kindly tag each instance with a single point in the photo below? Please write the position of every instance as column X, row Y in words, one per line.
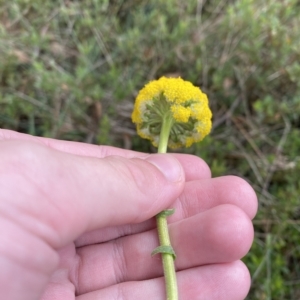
column 164, row 250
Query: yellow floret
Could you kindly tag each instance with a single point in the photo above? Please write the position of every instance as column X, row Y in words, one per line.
column 180, row 113
column 189, row 141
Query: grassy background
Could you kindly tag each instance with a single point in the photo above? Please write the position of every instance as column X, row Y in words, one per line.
column 71, row 70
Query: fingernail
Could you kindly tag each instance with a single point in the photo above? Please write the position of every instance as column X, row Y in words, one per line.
column 168, row 165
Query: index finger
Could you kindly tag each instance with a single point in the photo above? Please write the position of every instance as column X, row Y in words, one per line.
column 194, row 167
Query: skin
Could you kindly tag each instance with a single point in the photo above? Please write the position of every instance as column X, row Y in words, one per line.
column 76, row 222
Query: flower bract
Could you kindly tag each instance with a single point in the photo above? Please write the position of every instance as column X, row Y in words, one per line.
column 178, row 101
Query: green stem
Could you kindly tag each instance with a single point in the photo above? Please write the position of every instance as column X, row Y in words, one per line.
column 162, row 225
column 164, row 133
column 167, row 258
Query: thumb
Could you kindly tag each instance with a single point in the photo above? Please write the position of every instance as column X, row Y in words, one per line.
column 64, row 195
column 131, row 190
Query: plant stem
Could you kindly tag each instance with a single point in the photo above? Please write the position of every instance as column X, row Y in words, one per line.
column 164, row 133
column 167, row 258
column 162, row 225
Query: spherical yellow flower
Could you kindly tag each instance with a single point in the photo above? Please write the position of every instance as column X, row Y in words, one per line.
column 175, row 101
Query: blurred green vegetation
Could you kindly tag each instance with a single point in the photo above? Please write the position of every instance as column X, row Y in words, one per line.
column 71, row 70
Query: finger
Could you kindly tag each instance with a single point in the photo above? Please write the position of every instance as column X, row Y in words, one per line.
column 77, row 148
column 201, row 195
column 221, row 234
column 197, row 196
column 194, row 167
column 215, row 282
column 67, row 194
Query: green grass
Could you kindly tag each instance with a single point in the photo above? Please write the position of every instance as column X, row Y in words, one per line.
column 71, row 70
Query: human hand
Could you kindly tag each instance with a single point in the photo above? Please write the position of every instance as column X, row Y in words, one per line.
column 75, row 223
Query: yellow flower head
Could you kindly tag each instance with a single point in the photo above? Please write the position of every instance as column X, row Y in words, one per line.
column 178, row 101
